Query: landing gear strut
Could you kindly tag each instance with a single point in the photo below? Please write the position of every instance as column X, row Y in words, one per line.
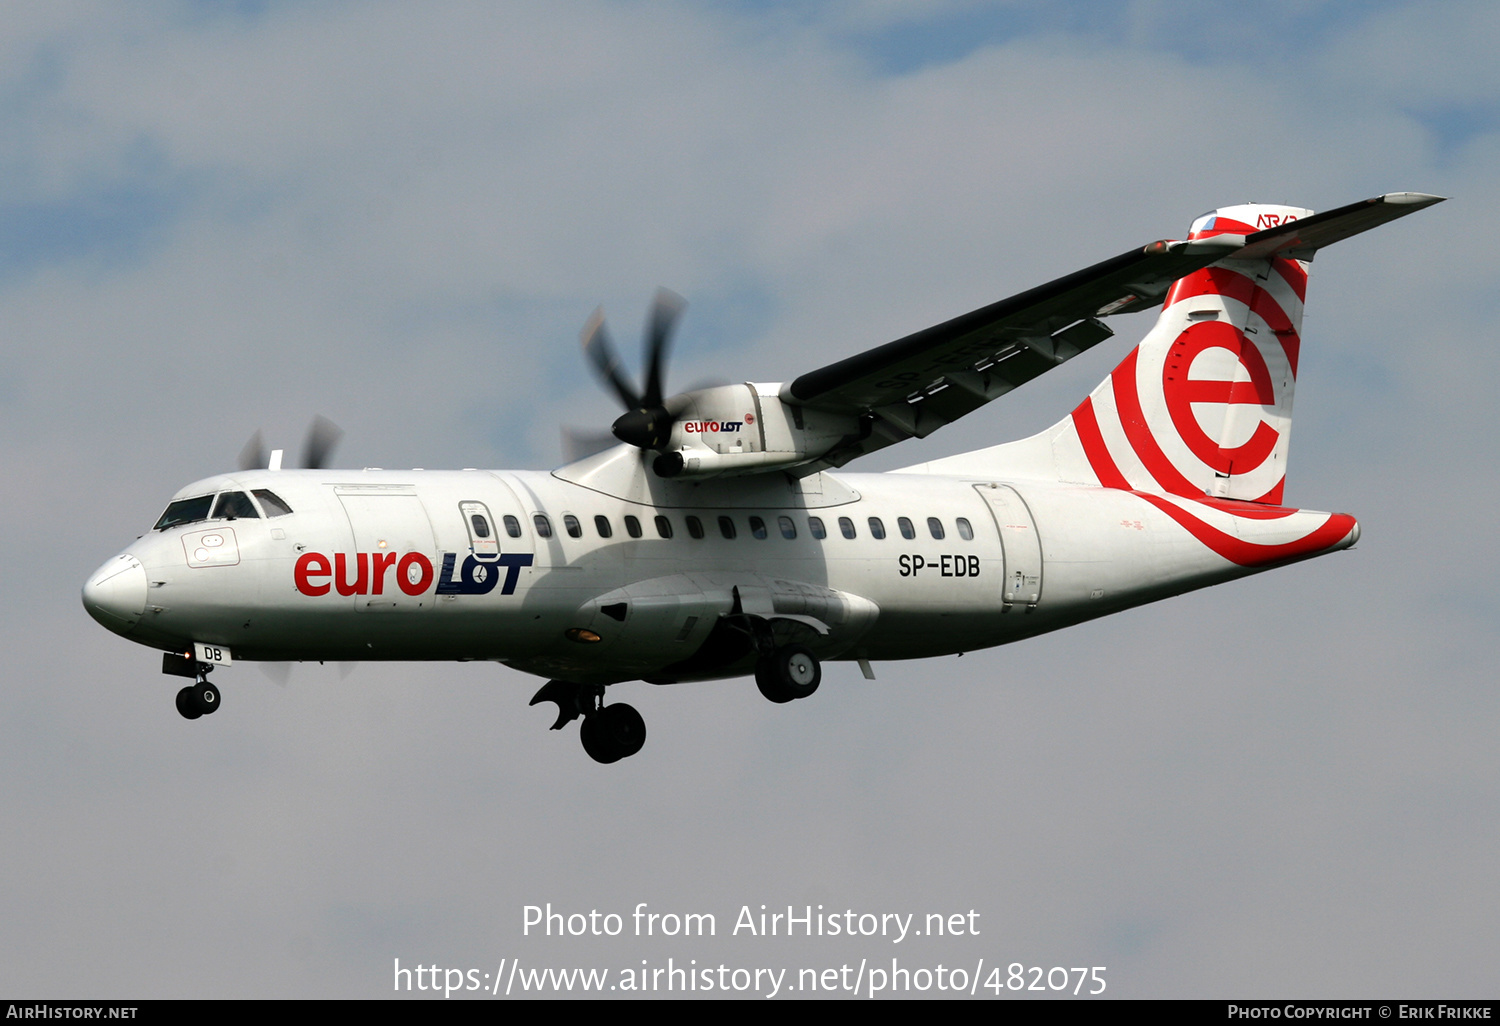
column 788, row 673
column 197, row 699
column 609, row 732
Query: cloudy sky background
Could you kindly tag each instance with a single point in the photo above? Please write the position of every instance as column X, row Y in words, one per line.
column 216, row 218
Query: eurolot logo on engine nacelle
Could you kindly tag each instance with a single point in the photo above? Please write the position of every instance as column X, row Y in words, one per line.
column 316, row 574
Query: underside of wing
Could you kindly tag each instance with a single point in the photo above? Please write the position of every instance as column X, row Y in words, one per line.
column 915, row 385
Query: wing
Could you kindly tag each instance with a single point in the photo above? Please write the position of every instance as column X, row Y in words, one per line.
column 914, row 385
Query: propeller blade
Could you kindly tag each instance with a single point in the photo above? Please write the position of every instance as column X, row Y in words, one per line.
column 253, row 456
column 649, row 417
column 606, row 364
column 322, row 436
column 279, row 673
column 665, row 310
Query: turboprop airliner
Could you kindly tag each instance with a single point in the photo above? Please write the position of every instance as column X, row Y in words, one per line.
column 721, row 538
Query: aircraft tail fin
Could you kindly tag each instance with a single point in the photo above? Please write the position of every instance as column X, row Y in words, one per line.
column 1204, row 404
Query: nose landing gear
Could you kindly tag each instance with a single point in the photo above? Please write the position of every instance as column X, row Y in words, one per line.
column 609, row 732
column 197, row 699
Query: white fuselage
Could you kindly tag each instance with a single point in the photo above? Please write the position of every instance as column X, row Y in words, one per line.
column 387, row 565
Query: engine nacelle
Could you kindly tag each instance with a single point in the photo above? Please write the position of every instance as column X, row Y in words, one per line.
column 741, row 429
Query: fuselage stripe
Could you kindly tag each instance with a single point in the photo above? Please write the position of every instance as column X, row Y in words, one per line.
column 1094, row 448
column 1243, row 553
column 1138, row 432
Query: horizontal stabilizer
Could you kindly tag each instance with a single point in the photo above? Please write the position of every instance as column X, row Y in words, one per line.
column 1300, row 239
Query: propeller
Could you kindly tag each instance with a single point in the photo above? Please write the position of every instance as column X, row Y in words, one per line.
column 254, row 456
column 322, row 437
column 649, row 416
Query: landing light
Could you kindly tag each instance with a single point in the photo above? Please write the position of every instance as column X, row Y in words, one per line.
column 582, row 635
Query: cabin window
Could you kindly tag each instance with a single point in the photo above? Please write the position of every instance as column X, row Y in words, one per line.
column 846, row 527
column 935, row 526
column 965, row 531
column 633, row 526
column 788, row 529
column 271, row 503
column 235, row 506
column 482, row 526
column 757, row 527
column 908, row 530
column 572, row 526
column 601, row 524
column 663, row 527
column 695, row 527
column 543, row 525
column 877, row 529
column 185, row 511
column 815, row 525
column 512, row 526
column 726, row 527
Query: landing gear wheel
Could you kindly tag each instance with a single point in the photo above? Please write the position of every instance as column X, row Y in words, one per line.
column 207, row 697
column 788, row 673
column 594, row 743
column 187, row 703
column 613, row 733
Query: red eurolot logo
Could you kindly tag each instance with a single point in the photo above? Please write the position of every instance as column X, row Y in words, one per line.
column 414, row 573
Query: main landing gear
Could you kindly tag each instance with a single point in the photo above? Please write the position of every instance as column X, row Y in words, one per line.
column 609, row 732
column 199, row 698
column 787, row 673
column 783, row 673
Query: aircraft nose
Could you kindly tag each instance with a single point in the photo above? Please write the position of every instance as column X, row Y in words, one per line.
column 116, row 594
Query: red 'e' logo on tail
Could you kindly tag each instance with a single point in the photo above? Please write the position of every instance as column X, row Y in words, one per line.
column 1180, row 393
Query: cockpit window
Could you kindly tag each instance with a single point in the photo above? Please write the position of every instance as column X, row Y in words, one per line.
column 185, row 511
column 235, row 506
column 272, row 503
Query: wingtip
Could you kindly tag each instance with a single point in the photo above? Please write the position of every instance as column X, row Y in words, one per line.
column 1411, row 199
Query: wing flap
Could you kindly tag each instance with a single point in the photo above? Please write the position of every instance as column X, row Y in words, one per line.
column 915, row 385
column 1131, row 281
